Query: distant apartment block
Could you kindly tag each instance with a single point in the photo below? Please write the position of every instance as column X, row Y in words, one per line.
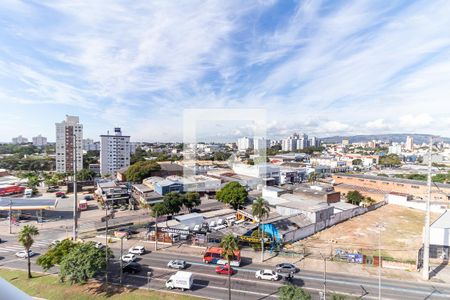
column 395, row 149
column 39, row 141
column 69, row 137
column 114, row 152
column 245, row 143
column 260, row 144
column 19, row 140
column 90, row 145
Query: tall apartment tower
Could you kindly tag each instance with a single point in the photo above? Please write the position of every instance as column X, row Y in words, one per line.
column 66, row 143
column 409, row 145
column 114, row 152
column 245, row 143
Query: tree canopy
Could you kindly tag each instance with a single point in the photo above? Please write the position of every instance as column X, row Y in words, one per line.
column 85, row 174
column 292, row 292
column 354, row 197
column 82, row 262
column 390, row 160
column 141, row 170
column 233, row 194
column 55, row 254
column 191, row 200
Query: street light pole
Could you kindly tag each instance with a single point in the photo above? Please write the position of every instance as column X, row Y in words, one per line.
column 426, row 246
column 156, row 231
column 121, row 261
column 10, row 216
column 379, row 226
column 324, row 277
column 75, row 204
column 106, row 245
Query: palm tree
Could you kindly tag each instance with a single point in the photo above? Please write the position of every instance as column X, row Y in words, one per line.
column 229, row 245
column 260, row 210
column 26, row 235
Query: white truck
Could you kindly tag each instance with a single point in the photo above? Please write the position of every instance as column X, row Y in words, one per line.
column 180, row 280
column 28, row 193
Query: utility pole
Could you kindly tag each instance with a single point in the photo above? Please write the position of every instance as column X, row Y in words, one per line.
column 324, row 296
column 156, row 230
column 75, row 204
column 426, row 244
column 106, row 245
column 121, row 261
column 379, row 226
column 10, row 216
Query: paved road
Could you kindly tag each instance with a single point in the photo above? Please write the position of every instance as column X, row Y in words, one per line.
column 244, row 285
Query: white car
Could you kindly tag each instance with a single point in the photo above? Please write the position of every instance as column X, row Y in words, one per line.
column 267, row 275
column 176, row 264
column 99, row 245
column 137, row 250
column 23, row 254
column 128, row 257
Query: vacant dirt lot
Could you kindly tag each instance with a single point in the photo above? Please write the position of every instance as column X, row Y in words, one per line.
column 401, row 236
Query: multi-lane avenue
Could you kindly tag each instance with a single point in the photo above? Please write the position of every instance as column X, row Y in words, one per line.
column 244, row 284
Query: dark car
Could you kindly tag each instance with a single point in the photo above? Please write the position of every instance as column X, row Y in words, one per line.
column 286, row 268
column 88, row 198
column 132, row 267
column 129, row 230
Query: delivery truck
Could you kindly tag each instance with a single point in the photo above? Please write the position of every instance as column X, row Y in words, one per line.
column 180, row 280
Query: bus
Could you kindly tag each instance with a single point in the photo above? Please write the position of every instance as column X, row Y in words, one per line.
column 11, row 190
column 213, row 255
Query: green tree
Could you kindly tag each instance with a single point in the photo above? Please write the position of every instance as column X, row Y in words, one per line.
column 221, row 156
column 26, row 235
column 85, row 174
column 354, row 197
column 55, row 254
column 160, row 209
column 138, row 155
column 82, row 262
column 260, row 210
column 173, row 201
column 233, row 194
column 141, row 170
column 91, row 157
column 357, row 162
column 191, row 200
column 338, row 297
column 292, row 292
column 390, row 160
column 229, row 245
column 312, row 177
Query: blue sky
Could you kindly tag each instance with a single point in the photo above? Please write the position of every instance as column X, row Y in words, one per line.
column 323, row 67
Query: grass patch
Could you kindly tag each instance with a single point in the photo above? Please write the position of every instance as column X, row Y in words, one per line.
column 48, row 287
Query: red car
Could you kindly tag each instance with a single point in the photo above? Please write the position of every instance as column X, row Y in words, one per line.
column 224, row 270
column 60, row 195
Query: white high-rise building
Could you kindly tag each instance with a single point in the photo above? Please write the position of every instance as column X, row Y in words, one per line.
column 19, row 140
column 314, row 142
column 260, row 144
column 409, row 145
column 114, row 152
column 69, row 137
column 39, row 141
column 395, row 149
column 245, row 143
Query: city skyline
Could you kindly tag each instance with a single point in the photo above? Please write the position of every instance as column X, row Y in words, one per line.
column 328, row 68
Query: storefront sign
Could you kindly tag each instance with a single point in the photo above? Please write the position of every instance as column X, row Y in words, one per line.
column 174, row 230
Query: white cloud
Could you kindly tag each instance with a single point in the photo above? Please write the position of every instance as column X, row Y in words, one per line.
column 415, row 121
column 377, row 124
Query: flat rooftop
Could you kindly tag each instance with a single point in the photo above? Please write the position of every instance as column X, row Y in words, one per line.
column 27, row 203
column 390, row 179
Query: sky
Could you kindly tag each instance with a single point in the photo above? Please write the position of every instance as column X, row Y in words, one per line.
column 321, row 67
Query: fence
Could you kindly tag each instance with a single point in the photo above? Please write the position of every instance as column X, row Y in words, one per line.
column 337, row 218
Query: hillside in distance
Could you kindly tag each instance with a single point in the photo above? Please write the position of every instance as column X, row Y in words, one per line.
column 395, row 137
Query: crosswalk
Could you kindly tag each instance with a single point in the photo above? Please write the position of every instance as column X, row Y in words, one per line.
column 16, row 246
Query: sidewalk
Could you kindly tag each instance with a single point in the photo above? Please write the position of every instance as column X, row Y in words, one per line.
column 309, row 264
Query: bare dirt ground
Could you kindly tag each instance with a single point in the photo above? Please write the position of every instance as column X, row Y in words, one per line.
column 401, row 235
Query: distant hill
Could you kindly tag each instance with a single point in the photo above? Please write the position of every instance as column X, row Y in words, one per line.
column 395, row 137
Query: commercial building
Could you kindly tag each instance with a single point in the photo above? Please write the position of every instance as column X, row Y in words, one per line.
column 440, row 237
column 245, row 144
column 268, row 173
column 114, row 152
column 39, row 141
column 195, row 183
column 112, row 193
column 69, row 139
column 381, row 185
column 19, row 140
